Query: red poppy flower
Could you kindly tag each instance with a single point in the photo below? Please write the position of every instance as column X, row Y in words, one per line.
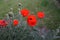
column 40, row 14
column 15, row 22
column 3, row 23
column 24, row 12
column 31, row 20
column 0, row 22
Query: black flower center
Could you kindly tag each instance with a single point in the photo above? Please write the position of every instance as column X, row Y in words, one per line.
column 30, row 18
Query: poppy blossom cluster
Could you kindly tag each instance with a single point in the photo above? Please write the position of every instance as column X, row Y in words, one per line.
column 31, row 19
